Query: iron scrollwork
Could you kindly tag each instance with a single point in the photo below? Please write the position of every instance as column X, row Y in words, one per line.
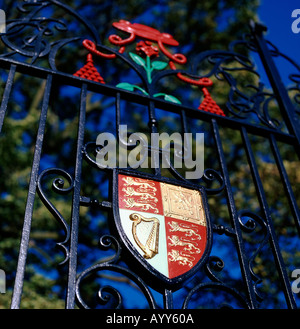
column 233, row 293
column 245, row 101
column 35, row 37
column 58, row 186
column 293, row 90
column 250, row 221
column 107, row 293
column 210, row 176
column 296, row 90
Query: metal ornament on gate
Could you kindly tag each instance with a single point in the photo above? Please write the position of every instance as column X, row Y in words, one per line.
column 165, row 226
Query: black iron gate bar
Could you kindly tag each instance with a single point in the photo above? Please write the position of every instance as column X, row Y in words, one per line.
column 6, row 94
column 234, row 217
column 76, row 202
column 16, row 299
column 264, row 206
column 274, row 135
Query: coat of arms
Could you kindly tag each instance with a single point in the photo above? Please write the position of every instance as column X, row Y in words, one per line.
column 164, row 225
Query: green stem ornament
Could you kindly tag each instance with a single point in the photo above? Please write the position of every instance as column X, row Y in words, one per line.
column 148, row 67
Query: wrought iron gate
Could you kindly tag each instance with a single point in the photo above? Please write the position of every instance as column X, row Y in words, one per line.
column 251, row 113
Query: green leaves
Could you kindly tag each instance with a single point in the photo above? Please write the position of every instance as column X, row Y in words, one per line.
column 156, row 65
column 147, row 65
column 126, row 86
column 159, row 65
column 168, row 98
column 130, row 87
column 172, row 99
column 137, row 59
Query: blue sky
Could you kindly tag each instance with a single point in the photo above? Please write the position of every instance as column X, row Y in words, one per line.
column 277, row 16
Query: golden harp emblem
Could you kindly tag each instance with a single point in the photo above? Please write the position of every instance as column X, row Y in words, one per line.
column 150, row 237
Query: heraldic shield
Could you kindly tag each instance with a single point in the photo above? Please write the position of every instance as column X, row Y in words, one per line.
column 163, row 225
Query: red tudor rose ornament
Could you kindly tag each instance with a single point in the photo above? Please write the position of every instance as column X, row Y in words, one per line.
column 147, row 49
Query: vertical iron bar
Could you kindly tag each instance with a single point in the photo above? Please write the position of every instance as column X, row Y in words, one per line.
column 19, row 280
column 233, row 213
column 286, row 182
column 6, row 94
column 184, row 130
column 153, row 128
column 286, row 106
column 118, row 114
column 70, row 301
column 265, row 208
column 187, row 146
column 168, row 299
column 183, row 122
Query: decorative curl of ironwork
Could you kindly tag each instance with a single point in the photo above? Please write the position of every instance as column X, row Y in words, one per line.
column 210, row 176
column 219, row 287
column 243, row 100
column 214, row 264
column 58, row 186
column 90, row 150
column 249, row 222
column 35, row 36
column 294, row 89
column 108, row 293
